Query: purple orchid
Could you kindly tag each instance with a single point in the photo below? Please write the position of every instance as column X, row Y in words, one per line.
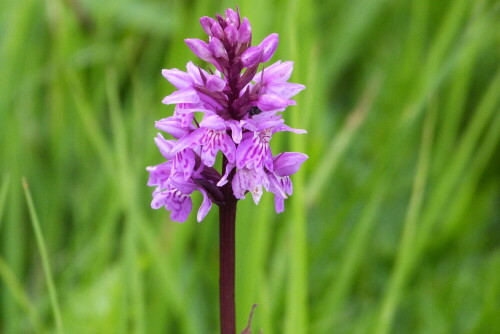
column 239, row 110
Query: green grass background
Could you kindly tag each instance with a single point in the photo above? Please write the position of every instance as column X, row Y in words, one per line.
column 394, row 226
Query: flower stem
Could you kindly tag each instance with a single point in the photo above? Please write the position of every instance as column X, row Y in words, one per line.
column 227, row 227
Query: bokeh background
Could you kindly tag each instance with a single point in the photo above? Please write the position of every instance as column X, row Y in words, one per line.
column 394, row 226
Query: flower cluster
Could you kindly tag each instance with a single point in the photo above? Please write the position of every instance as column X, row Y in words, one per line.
column 240, row 111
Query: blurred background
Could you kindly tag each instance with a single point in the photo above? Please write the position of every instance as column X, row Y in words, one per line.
column 394, row 226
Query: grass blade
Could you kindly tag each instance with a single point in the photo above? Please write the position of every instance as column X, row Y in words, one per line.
column 45, row 259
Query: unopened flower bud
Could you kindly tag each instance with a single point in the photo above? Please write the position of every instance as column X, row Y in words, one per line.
column 245, row 31
column 251, row 56
column 269, row 46
column 199, row 48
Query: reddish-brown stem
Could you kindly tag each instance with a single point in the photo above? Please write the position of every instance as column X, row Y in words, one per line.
column 227, row 229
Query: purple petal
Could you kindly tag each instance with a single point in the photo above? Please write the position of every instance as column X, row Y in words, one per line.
column 213, row 122
column 217, row 31
column 185, row 117
column 288, row 163
column 215, row 84
column 277, row 72
column 245, row 152
column 177, row 78
column 205, row 207
column 194, row 72
column 200, row 49
column 187, row 108
column 270, row 102
column 227, row 146
column 191, row 140
column 266, row 123
column 284, row 127
column 231, row 34
column 177, row 181
column 207, row 23
column 248, row 180
column 186, row 95
column 251, row 56
column 159, row 199
column 217, row 48
column 279, row 204
column 179, row 206
column 172, row 125
column 184, row 162
column 223, row 180
column 165, row 146
column 269, row 46
column 159, row 174
column 275, row 186
column 233, row 17
column 251, row 152
column 208, row 154
column 236, row 131
column 245, row 31
column 284, row 89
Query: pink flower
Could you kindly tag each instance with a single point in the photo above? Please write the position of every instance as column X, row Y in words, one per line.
column 240, row 112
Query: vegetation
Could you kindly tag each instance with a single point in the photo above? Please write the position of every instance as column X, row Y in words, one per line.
column 394, row 226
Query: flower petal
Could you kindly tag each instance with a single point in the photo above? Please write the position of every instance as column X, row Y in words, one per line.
column 231, row 34
column 200, row 49
column 172, row 125
column 184, row 162
column 269, row 46
column 208, row 154
column 284, row 127
column 278, row 72
column 217, row 48
column 213, row 122
column 251, row 56
column 288, row 163
column 233, row 17
column 207, row 23
column 227, row 146
column 215, row 84
column 279, row 204
column 205, row 207
column 245, row 31
column 252, row 152
column 177, row 78
column 248, row 180
column 179, row 206
column 186, row 95
column 284, row 89
column 223, row 180
column 191, row 140
column 236, row 131
column 165, row 146
column 270, row 102
column 159, row 174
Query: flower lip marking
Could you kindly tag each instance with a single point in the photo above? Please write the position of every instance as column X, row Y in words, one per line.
column 254, row 111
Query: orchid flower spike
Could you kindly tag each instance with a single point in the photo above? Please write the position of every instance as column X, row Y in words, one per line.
column 240, row 110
